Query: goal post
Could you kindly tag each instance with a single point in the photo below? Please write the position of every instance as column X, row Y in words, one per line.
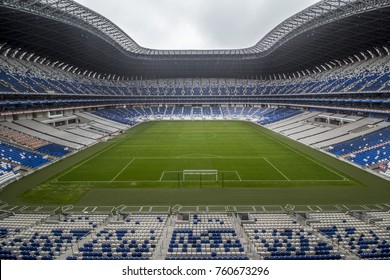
column 200, row 175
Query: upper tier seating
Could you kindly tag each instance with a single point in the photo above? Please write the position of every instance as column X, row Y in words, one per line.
column 29, row 77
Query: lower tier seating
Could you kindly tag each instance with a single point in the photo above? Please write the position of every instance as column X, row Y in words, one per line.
column 133, row 238
column 54, row 150
column 19, row 156
column 206, row 237
column 280, row 237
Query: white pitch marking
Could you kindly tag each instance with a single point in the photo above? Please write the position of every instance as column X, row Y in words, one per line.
column 277, row 169
column 162, row 175
column 299, row 153
column 122, row 170
column 156, row 181
column 238, row 175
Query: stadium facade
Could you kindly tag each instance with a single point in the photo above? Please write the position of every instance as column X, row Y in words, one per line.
column 70, row 78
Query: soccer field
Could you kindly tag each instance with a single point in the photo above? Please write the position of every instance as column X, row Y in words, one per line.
column 239, row 153
column 198, row 163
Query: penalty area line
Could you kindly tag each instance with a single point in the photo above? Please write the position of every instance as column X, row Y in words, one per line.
column 117, row 175
column 301, row 154
column 281, row 173
column 238, row 175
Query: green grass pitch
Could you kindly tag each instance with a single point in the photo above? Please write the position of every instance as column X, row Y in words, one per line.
column 145, row 165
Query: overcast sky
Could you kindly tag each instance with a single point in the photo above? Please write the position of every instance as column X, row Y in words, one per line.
column 197, row 24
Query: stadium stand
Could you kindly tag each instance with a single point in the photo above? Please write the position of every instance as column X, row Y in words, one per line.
column 54, row 150
column 353, row 234
column 133, row 237
column 50, row 238
column 42, row 135
column 6, row 173
column 205, row 237
column 281, row 237
column 366, row 76
column 116, row 115
column 384, row 168
column 112, row 125
column 21, row 138
column 373, row 156
column 33, row 142
column 40, row 127
column 278, row 115
column 18, row 156
column 362, row 143
column 381, row 219
column 81, row 131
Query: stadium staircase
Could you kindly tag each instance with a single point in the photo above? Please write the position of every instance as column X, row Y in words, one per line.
column 163, row 245
column 248, row 246
column 80, row 244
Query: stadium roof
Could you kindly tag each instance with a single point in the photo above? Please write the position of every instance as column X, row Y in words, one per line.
column 330, row 31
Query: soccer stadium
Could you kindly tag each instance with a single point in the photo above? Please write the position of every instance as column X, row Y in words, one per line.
column 279, row 151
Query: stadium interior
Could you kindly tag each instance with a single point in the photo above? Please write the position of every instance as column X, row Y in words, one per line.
column 72, row 83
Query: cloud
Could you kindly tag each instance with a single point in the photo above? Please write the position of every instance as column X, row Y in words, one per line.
column 197, row 24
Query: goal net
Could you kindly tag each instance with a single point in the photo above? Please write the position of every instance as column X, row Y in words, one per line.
column 203, row 175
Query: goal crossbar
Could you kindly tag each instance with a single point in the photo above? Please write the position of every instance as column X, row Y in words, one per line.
column 200, row 173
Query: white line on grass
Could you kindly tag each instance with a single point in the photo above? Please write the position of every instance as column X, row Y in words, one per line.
column 200, row 156
column 238, row 175
column 162, row 175
column 88, row 159
column 170, row 181
column 299, row 153
column 113, row 179
column 277, row 169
